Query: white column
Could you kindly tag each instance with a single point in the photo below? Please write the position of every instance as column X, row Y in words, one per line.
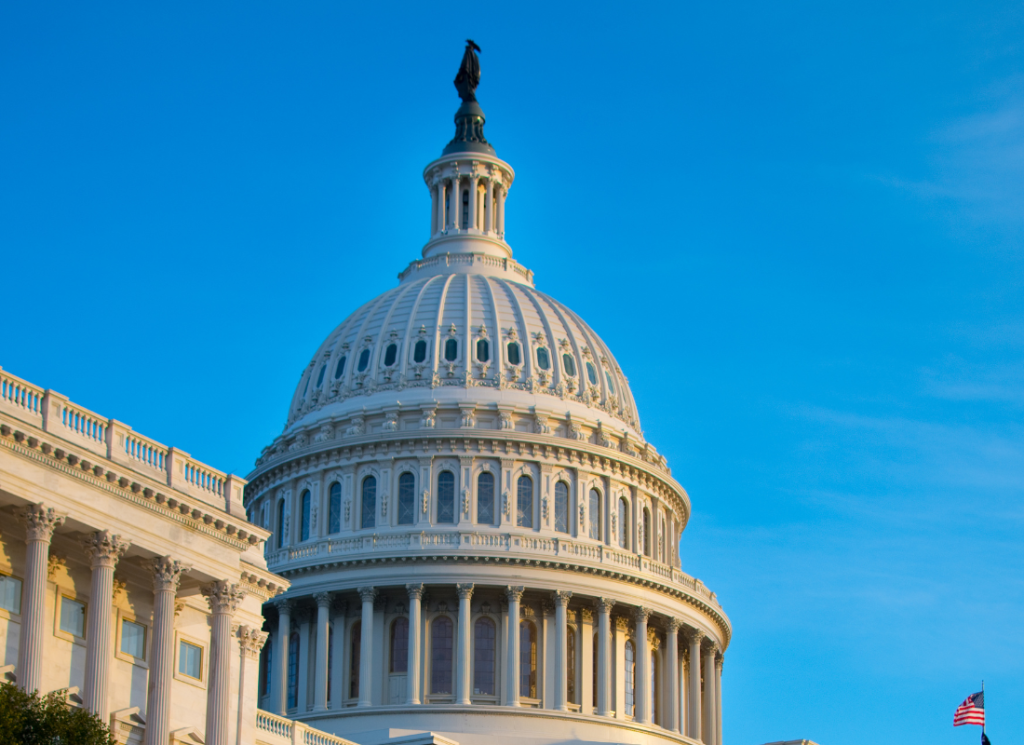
column 223, row 597
column 454, row 202
column 415, row 632
column 710, row 728
column 473, row 199
column 323, row 620
column 696, row 732
column 280, row 657
column 672, row 658
column 502, row 193
column 488, row 205
column 463, row 685
column 642, row 701
column 433, row 209
column 337, row 674
column 719, row 661
column 166, row 576
column 104, row 549
column 368, row 595
column 40, row 522
column 514, row 594
column 604, row 656
column 250, row 642
column 561, row 656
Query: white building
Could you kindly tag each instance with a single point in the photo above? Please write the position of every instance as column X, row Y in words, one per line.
column 480, row 543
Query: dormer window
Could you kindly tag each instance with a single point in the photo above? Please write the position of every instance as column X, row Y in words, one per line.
column 451, row 350
column 483, row 350
column 340, row 369
column 569, row 364
column 513, row 353
column 591, row 373
column 419, row 351
column 390, row 355
column 364, row 359
column 543, row 359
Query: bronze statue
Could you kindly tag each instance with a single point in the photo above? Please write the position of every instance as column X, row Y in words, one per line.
column 469, row 73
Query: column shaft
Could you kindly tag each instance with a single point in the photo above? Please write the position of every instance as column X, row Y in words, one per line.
column 284, row 633
column 642, row 708
column 604, row 656
column 323, row 620
column 473, row 197
column 710, row 727
column 433, row 210
column 463, row 684
column 40, row 522
column 415, row 633
column 514, row 595
column 696, row 732
column 488, row 206
column 104, row 549
column 561, row 651
column 718, row 698
column 166, row 576
column 455, row 203
column 368, row 595
column 224, row 598
column 672, row 658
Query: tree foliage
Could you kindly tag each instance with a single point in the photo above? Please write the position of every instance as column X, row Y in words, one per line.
column 28, row 719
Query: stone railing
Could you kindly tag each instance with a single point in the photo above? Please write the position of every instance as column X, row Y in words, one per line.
column 486, row 544
column 272, row 729
column 54, row 413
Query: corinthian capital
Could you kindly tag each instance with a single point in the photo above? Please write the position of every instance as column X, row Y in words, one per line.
column 465, row 590
column 415, row 591
column 323, row 599
column 251, row 641
column 367, row 594
column 167, row 573
column 40, row 522
column 514, row 592
column 641, row 614
column 223, row 596
column 562, row 597
column 104, row 548
column 696, row 637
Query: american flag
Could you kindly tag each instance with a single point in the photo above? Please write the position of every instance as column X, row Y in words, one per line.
column 971, row 711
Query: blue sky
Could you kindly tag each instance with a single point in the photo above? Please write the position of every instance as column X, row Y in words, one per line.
column 799, row 226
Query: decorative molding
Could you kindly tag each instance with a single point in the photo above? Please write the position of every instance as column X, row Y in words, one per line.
column 223, row 596
column 104, row 548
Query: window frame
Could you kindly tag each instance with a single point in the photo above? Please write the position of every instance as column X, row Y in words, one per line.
column 533, row 494
column 10, row 614
column 487, row 698
column 568, row 507
column 486, row 357
column 330, row 509
column 391, row 645
column 70, row 594
column 362, row 502
column 546, row 366
column 592, row 519
column 204, row 662
column 432, row 696
column 306, row 516
column 384, row 358
column 494, row 511
column 399, row 495
column 451, row 340
column 454, row 497
column 130, row 617
column 426, row 351
column 519, row 353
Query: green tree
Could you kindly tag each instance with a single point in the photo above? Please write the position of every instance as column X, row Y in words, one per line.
column 28, row 719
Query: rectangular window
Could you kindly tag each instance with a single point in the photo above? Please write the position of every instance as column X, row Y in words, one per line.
column 72, row 617
column 133, row 639
column 190, row 660
column 10, row 594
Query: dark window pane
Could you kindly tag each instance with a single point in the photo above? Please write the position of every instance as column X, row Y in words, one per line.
column 369, row 510
column 340, row 369
column 451, row 350
column 570, row 667
column 527, row 659
column 594, row 510
column 611, row 385
column 630, row 673
column 293, row 670
column 280, row 524
column 623, row 524
column 320, row 377
column 334, row 515
column 561, row 507
column 591, row 374
column 513, row 353
column 569, row 364
column 364, row 359
column 485, row 498
column 483, row 350
column 406, row 499
column 483, row 657
column 441, row 655
column 306, row 505
column 446, row 497
column 543, row 361
column 390, row 355
column 421, row 351
column 400, row 645
column 524, row 502
column 355, row 645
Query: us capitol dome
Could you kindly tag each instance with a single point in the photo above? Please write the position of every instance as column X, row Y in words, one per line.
column 480, row 542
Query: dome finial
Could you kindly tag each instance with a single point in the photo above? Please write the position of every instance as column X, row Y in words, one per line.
column 469, row 119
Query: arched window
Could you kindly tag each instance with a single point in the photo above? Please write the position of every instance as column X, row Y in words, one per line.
column 446, row 498
column 293, row 670
column 527, row 659
column 280, row 523
column 306, row 507
column 543, row 360
column 334, row 509
column 561, row 507
column 364, row 359
column 340, row 369
column 591, row 373
column 569, row 364
column 400, row 645
column 320, row 377
column 441, row 655
column 623, row 523
column 266, row 666
column 570, row 665
column 524, row 502
column 611, row 385
column 594, row 512
column 390, row 355
column 354, row 645
column 406, row 499
column 645, row 533
column 369, row 506
column 483, row 350
column 513, row 353
column 484, row 637
column 629, row 677
column 485, row 498
column 451, row 350
column 420, row 351
column 654, row 688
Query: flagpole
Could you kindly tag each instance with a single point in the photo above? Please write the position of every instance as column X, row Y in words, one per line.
column 986, row 710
